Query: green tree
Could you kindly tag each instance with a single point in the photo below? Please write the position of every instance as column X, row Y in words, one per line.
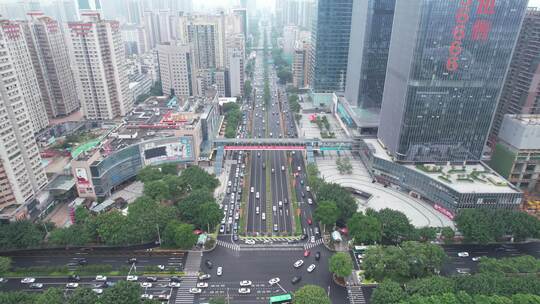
column 426, row 234
column 432, row 285
column 196, row 178
column 519, row 264
column 83, row 296
column 178, row 235
column 247, row 88
column 82, row 214
column 176, row 187
column 395, row 225
column 169, row 169
column 157, row 189
column 411, row 260
column 326, row 213
column 346, row 204
column 113, row 228
column 149, row 173
column 21, row 234
column 284, row 75
column 448, row 234
column 208, row 215
column 77, row 234
column 145, row 215
column 341, row 265
column 5, row 264
column 388, row 292
column 364, row 229
column 51, row 296
column 219, row 300
column 311, row 294
column 19, row 297
column 123, row 292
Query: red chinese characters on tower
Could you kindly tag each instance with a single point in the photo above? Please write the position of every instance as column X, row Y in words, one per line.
column 485, row 7
column 480, row 30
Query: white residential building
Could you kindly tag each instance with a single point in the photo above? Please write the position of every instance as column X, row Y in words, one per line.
column 21, row 174
column 236, row 73
column 22, row 63
column 99, row 61
column 50, row 56
column 176, row 69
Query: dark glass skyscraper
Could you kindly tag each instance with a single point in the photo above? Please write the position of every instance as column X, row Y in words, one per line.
column 368, row 52
column 330, row 32
column 446, row 67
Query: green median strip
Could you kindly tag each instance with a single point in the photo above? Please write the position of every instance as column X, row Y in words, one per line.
column 269, row 213
column 92, row 270
column 292, row 194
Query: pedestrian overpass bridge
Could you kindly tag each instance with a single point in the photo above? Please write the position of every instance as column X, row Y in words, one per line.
column 278, row 144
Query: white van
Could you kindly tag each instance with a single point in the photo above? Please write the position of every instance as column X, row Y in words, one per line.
column 257, row 195
column 257, row 210
column 263, row 216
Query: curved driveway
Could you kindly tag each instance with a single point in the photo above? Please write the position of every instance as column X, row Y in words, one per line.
column 419, row 212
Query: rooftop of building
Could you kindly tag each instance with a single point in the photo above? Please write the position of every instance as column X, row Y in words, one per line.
column 463, row 177
column 156, row 117
column 521, row 131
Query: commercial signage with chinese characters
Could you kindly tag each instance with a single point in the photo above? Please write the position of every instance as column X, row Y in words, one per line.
column 479, row 31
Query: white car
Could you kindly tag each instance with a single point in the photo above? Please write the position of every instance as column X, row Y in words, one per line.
column 245, row 283
column 463, row 254
column 28, row 280
column 195, row 290
column 146, row 285
column 263, row 216
column 250, row 242
column 252, row 189
column 282, row 168
column 311, row 268
column 257, row 209
column 219, row 270
column 312, row 239
column 101, row 278
column 174, row 284
column 308, row 189
column 72, row 285
column 310, row 201
column 202, row 285
column 298, row 264
column 97, row 290
column 132, row 278
column 476, row 259
column 161, row 267
column 273, row 281
column 244, row 290
column 257, row 195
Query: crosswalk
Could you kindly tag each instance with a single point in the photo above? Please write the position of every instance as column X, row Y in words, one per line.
column 193, row 263
column 311, row 245
column 183, row 296
column 356, row 295
column 232, row 246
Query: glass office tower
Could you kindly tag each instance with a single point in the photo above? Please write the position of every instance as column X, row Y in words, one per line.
column 446, row 66
column 330, row 32
column 368, row 52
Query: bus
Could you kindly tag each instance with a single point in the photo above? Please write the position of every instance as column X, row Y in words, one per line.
column 281, row 299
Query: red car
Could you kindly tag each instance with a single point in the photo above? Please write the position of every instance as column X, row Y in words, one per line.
column 307, row 253
column 309, row 221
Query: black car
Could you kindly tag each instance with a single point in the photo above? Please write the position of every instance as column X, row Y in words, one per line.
column 82, row 261
column 304, row 236
column 318, row 255
column 208, row 263
column 175, row 279
column 101, row 285
column 74, row 278
column 151, row 279
column 132, row 261
column 296, row 279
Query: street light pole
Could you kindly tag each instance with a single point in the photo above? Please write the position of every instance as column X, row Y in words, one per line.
column 159, row 237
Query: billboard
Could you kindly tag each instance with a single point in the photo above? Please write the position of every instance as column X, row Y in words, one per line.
column 178, row 149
